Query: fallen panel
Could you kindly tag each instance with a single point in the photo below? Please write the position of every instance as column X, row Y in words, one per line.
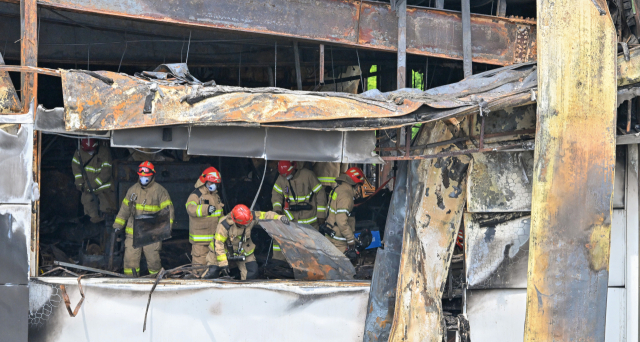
column 192, row 310
column 500, row 182
column 498, row 315
column 15, row 229
column 437, row 188
column 497, row 250
column 169, row 138
column 117, row 101
column 310, row 254
column 52, row 121
column 382, row 296
column 14, row 304
column 16, row 159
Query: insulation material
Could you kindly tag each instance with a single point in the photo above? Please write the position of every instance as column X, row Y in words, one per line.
column 15, row 229
column 16, row 159
column 9, row 101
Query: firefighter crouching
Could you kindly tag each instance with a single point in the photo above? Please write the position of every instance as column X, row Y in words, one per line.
column 299, row 195
column 232, row 242
column 204, row 208
column 144, row 197
column 91, row 165
column 340, row 227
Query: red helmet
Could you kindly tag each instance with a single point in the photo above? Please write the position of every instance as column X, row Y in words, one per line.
column 241, row 215
column 88, row 144
column 285, row 167
column 146, row 169
column 210, row 174
column 356, row 174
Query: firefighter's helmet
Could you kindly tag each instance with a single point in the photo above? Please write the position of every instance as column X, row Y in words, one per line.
column 146, row 169
column 241, row 215
column 210, row 174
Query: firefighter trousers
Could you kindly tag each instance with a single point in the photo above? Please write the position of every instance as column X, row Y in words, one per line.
column 107, row 201
column 132, row 257
column 341, row 245
column 199, row 254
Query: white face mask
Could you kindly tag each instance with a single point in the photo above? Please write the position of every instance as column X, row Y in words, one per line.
column 145, row 180
column 212, row 187
column 290, row 176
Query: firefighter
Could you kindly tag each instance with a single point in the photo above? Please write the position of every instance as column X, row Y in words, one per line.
column 232, row 242
column 299, row 195
column 340, row 205
column 148, row 197
column 94, row 181
column 204, row 208
column 327, row 172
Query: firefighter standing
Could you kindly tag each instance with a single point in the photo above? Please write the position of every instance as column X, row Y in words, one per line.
column 95, row 180
column 299, row 195
column 233, row 238
column 340, row 206
column 148, row 197
column 204, row 208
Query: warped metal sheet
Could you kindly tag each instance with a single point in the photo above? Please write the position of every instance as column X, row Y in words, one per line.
column 500, row 182
column 152, row 137
column 433, row 220
column 359, row 147
column 292, row 144
column 117, row 101
column 382, row 295
column 52, row 121
column 15, row 229
column 310, row 254
column 16, row 158
column 497, row 250
column 197, row 310
column 498, row 315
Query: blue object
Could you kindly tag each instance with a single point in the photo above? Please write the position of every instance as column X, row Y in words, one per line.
column 376, row 241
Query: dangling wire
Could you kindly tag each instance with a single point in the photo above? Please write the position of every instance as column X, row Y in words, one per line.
column 188, row 46
column 123, row 52
column 361, row 81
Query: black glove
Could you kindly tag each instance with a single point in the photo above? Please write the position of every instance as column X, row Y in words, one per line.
column 351, row 252
column 211, row 209
column 211, row 272
column 284, row 219
column 225, row 271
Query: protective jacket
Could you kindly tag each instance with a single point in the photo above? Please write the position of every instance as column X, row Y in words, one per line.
column 227, row 229
column 202, row 226
column 148, row 199
column 303, row 188
column 340, row 206
column 328, row 171
column 97, row 167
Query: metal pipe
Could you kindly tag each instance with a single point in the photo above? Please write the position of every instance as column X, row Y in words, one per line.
column 466, row 38
column 401, row 8
column 321, row 63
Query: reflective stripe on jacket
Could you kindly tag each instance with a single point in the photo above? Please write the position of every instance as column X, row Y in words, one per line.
column 150, row 199
column 340, row 206
column 202, row 226
column 306, row 189
column 98, row 169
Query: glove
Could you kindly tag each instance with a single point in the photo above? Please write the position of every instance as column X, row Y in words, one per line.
column 351, row 252
column 225, row 271
column 211, row 209
column 321, row 221
column 284, row 219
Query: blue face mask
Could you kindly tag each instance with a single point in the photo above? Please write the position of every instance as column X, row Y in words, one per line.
column 212, row 187
column 145, row 180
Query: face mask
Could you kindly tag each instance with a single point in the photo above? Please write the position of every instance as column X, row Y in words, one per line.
column 145, row 180
column 212, row 187
column 289, row 177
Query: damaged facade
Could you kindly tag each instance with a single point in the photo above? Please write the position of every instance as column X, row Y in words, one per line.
column 499, row 197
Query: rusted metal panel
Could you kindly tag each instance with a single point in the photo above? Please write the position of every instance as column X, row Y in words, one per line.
column 382, row 296
column 573, row 173
column 310, row 254
column 92, row 104
column 180, row 310
column 355, row 23
column 500, row 182
column 629, row 71
column 437, row 188
column 9, row 101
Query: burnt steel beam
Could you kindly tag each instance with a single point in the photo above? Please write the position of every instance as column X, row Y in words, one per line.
column 573, row 174
column 369, row 25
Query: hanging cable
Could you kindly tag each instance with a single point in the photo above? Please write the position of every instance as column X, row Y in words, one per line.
column 123, row 52
column 361, row 81
column 188, row 46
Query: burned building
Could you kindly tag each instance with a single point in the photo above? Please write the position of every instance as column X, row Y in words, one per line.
column 498, row 140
